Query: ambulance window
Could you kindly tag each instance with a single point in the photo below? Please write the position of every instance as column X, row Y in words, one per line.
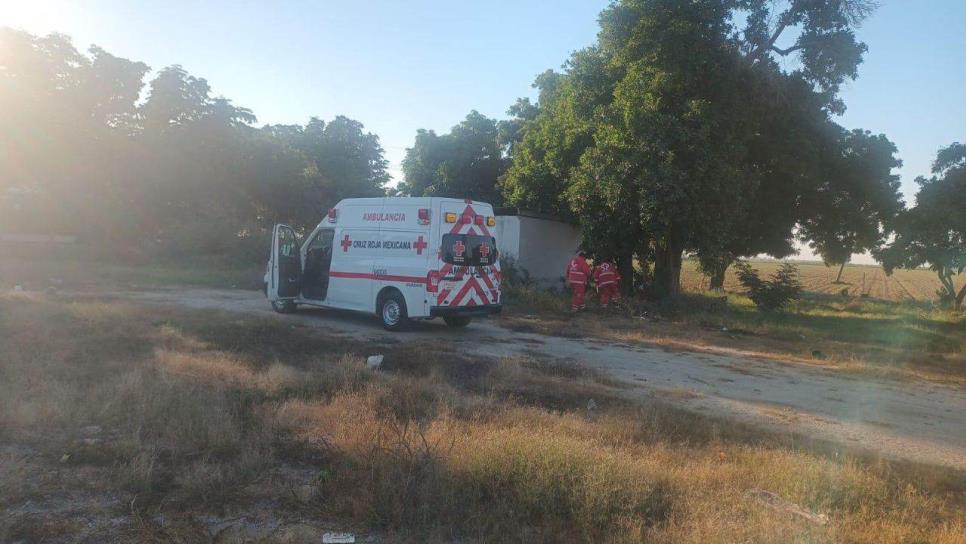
column 322, row 240
column 287, row 243
column 467, row 250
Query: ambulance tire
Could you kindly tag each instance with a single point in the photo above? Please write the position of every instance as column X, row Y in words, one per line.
column 457, row 322
column 284, row 306
column 392, row 311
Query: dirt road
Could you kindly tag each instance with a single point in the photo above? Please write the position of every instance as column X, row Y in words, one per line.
column 912, row 420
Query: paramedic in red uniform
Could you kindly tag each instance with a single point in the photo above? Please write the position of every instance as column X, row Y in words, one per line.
column 578, row 274
column 608, row 282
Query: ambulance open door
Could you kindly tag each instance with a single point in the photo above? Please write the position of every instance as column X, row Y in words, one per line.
column 286, row 264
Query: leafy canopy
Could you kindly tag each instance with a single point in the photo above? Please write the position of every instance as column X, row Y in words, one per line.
column 681, row 130
column 182, row 172
column 933, row 232
column 465, row 163
column 857, row 195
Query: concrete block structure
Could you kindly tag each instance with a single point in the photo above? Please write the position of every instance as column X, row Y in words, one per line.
column 537, row 243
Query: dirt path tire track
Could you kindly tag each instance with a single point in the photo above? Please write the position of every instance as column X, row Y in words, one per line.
column 912, row 420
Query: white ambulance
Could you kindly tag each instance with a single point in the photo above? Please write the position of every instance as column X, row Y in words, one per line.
column 402, row 258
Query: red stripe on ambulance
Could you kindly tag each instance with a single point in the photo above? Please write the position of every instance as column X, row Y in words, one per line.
column 380, row 277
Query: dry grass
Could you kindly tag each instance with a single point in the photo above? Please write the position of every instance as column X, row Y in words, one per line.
column 858, row 281
column 74, row 268
column 120, row 423
column 867, row 336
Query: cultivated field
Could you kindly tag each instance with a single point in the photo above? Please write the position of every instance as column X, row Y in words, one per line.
column 857, row 280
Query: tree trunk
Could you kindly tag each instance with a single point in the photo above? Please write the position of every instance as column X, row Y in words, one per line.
column 642, row 254
column 625, row 267
column 667, row 267
column 838, row 279
column 718, row 274
column 717, row 279
column 948, row 291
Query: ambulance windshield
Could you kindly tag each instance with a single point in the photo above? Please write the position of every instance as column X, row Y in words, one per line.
column 469, row 250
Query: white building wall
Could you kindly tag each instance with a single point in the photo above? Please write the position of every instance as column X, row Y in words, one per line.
column 542, row 247
column 508, row 235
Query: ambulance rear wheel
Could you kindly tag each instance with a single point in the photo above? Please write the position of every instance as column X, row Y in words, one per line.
column 283, row 306
column 457, row 322
column 392, row 310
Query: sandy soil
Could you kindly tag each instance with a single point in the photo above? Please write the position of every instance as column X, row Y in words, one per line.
column 912, row 420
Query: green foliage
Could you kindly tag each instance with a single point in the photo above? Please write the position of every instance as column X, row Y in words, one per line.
column 513, row 275
column 466, row 163
column 680, row 130
column 933, row 232
column 847, row 211
column 773, row 294
column 183, row 173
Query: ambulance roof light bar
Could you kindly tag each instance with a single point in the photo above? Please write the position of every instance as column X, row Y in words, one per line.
column 333, row 215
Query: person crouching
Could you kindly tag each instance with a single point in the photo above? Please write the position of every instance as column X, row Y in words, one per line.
column 608, row 282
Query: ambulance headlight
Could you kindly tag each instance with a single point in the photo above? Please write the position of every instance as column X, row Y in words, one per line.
column 450, row 217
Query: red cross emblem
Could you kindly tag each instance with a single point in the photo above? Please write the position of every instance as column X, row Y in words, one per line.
column 346, row 242
column 420, row 245
column 459, row 248
column 485, row 250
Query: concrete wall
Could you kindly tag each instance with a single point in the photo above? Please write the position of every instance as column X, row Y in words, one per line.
column 37, row 238
column 508, row 235
column 542, row 247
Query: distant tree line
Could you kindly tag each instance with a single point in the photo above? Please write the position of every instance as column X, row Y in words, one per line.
column 165, row 169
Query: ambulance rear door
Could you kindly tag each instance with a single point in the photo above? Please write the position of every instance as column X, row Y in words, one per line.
column 467, row 259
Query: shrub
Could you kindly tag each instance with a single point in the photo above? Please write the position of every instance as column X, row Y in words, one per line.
column 772, row 294
column 514, row 275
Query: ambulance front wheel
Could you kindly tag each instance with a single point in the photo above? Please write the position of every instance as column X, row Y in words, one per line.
column 392, row 310
column 457, row 322
column 283, row 306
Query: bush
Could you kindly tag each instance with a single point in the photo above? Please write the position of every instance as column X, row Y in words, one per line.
column 514, row 275
column 773, row 294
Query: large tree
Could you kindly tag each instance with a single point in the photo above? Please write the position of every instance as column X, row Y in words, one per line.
column 465, row 163
column 858, row 195
column 681, row 129
column 933, row 232
column 340, row 160
column 64, row 117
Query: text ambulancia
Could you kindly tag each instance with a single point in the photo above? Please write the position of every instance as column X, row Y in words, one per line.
column 402, row 258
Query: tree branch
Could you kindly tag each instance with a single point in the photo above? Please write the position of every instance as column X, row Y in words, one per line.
column 783, row 23
column 787, row 50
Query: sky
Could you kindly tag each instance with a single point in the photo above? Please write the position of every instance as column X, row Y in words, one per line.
column 398, row 66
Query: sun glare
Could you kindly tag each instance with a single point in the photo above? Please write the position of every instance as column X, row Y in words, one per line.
column 39, row 17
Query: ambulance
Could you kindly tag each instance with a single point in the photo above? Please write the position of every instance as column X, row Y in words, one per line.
column 400, row 258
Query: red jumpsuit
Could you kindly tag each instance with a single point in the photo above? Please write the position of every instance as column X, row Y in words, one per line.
column 578, row 274
column 608, row 282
